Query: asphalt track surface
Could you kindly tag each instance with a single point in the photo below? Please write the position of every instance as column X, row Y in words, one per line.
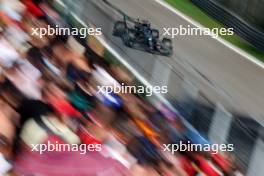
column 208, row 64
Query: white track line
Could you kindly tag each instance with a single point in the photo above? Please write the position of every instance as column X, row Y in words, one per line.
column 61, row 3
column 224, row 42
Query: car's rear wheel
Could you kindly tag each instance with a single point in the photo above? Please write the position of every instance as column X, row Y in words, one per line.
column 129, row 38
column 119, row 28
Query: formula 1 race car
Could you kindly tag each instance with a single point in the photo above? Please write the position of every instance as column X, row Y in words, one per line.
column 142, row 37
column 139, row 35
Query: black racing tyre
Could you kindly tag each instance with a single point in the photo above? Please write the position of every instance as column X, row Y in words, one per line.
column 167, row 46
column 155, row 33
column 129, row 38
column 167, row 43
column 119, row 28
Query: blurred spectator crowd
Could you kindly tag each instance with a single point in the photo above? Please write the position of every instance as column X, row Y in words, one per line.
column 48, row 93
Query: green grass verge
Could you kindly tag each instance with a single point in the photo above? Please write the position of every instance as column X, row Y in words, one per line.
column 189, row 9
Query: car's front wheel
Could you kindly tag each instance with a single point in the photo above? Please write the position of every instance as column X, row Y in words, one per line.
column 166, row 46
